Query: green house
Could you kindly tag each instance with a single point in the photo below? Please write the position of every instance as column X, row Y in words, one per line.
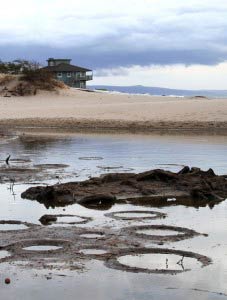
column 71, row 75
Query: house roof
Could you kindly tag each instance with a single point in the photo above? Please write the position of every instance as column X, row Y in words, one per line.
column 58, row 59
column 66, row 68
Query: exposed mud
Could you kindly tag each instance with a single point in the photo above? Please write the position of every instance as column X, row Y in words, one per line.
column 51, row 166
column 190, row 186
column 179, row 233
column 147, row 215
column 56, row 219
column 73, row 246
column 23, row 170
column 20, row 247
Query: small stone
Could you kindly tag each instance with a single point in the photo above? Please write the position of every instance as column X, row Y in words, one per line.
column 7, row 281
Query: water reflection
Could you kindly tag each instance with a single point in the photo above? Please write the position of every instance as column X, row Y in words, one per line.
column 139, row 153
column 160, row 262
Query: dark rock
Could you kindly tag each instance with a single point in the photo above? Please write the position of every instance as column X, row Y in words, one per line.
column 198, row 193
column 97, row 199
column 195, row 170
column 157, row 175
column 205, row 194
column 128, row 182
column 97, row 202
column 210, row 172
column 185, row 170
column 51, row 196
column 47, row 219
column 116, row 177
column 188, row 187
column 145, row 192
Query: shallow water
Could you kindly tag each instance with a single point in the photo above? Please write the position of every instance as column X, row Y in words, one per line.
column 124, row 152
column 41, row 248
column 5, row 227
column 159, row 262
column 91, row 235
column 92, row 251
column 69, row 219
column 158, row 232
column 116, row 154
column 134, row 215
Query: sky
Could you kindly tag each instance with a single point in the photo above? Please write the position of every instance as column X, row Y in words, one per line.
column 165, row 43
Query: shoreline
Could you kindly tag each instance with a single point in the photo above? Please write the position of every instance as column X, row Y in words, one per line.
column 70, row 125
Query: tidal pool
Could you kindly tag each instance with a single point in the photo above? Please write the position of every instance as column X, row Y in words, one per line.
column 134, row 154
column 131, row 215
column 93, row 251
column 69, row 220
column 158, row 232
column 91, row 235
column 159, row 262
column 42, row 248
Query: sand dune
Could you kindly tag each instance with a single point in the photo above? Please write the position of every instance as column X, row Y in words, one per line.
column 75, row 109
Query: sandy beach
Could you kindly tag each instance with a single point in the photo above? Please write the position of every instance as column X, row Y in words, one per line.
column 80, row 110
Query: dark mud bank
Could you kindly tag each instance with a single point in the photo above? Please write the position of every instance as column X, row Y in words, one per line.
column 190, row 186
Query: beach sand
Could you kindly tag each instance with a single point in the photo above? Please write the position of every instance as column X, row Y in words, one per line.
column 74, row 110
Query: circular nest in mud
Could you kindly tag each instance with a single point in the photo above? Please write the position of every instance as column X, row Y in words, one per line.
column 18, row 247
column 151, row 215
column 113, row 262
column 182, row 233
column 53, row 219
column 15, row 222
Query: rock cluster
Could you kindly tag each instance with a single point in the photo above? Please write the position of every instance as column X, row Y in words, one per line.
column 190, row 186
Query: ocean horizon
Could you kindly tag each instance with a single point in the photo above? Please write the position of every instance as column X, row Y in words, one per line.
column 160, row 91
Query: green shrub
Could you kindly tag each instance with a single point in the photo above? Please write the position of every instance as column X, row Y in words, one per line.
column 38, row 75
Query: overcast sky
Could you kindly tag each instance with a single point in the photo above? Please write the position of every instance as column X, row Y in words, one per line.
column 169, row 43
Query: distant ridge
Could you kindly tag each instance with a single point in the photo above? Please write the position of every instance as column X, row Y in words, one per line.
column 139, row 89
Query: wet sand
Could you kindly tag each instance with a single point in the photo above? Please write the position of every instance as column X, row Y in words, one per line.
column 75, row 110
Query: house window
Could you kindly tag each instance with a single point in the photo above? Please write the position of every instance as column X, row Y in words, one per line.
column 59, row 75
column 69, row 74
column 80, row 74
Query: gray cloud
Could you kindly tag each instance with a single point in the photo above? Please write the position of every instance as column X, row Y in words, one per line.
column 182, row 36
column 98, row 58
